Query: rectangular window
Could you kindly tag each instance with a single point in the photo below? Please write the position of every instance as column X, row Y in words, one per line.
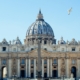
column 45, row 61
column 14, row 49
column 32, row 61
column 55, row 61
column 3, row 61
column 62, row 49
column 3, row 48
column 73, row 49
column 73, row 61
column 22, row 61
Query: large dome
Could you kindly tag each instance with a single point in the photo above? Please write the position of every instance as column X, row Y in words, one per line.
column 40, row 27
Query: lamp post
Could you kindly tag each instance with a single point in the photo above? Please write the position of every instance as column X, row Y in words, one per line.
column 39, row 58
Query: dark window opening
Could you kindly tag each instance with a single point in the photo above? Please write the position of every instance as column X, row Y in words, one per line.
column 45, row 75
column 40, row 41
column 32, row 75
column 45, row 49
column 45, row 42
column 54, row 73
column 62, row 43
column 32, row 67
column 22, row 66
column 73, row 49
column 4, row 48
column 45, row 66
column 73, row 71
column 54, row 66
column 22, row 73
column 32, row 49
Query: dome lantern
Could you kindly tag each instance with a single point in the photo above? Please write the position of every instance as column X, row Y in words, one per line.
column 40, row 16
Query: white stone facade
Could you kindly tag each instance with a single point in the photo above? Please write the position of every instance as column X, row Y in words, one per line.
column 57, row 59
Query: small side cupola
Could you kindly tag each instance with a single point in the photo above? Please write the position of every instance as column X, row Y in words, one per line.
column 4, row 41
column 17, row 41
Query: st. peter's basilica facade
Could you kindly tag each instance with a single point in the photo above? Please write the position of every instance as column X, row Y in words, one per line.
column 57, row 59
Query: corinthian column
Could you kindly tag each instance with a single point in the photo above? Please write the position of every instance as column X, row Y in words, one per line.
column 47, row 67
column 78, row 71
column 26, row 68
column 59, row 67
column 18, row 67
column 34, row 68
column 29, row 68
column 9, row 68
column 42, row 67
column 50, row 67
column 67, row 68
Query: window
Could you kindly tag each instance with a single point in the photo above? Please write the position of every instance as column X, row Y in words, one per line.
column 45, row 61
column 45, row 49
column 32, row 49
column 45, row 42
column 54, row 48
column 22, row 61
column 62, row 49
column 62, row 43
column 3, row 48
column 73, row 61
column 32, row 66
column 45, row 66
column 22, row 48
column 55, row 61
column 14, row 49
column 32, row 61
column 4, row 61
column 40, row 41
column 73, row 49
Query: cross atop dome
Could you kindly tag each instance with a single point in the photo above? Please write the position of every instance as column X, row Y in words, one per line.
column 40, row 15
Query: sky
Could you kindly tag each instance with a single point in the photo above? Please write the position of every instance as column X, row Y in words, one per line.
column 17, row 15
